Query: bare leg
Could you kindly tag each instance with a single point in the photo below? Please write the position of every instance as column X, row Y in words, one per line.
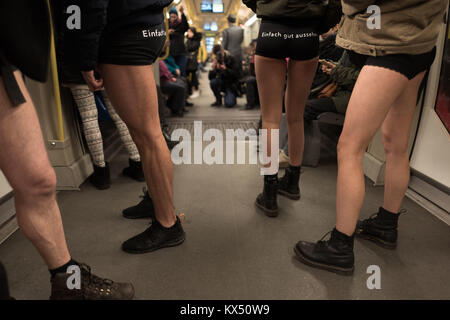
column 24, row 161
column 132, row 91
column 301, row 74
column 396, row 129
column 376, row 90
column 271, row 76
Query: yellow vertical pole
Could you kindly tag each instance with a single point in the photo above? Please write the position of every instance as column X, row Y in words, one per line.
column 55, row 80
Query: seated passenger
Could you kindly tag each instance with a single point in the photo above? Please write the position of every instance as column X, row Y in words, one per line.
column 175, row 91
column 224, row 77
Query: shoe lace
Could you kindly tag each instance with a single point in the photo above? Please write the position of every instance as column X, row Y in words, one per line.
column 92, row 278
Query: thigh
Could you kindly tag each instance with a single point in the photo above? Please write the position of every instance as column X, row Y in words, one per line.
column 300, row 76
column 23, row 155
column 271, row 78
column 375, row 91
column 132, row 91
column 397, row 125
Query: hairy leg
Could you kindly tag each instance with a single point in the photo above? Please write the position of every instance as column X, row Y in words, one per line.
column 373, row 95
column 300, row 76
column 132, row 91
column 24, row 161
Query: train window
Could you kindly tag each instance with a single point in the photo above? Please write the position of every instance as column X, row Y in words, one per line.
column 443, row 99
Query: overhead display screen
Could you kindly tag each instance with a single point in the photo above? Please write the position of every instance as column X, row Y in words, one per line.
column 217, row 6
column 206, row 6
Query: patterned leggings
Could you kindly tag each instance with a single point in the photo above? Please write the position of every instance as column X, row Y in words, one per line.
column 89, row 115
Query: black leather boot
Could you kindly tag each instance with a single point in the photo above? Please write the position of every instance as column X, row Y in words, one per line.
column 288, row 185
column 134, row 170
column 380, row 228
column 100, row 178
column 267, row 200
column 335, row 255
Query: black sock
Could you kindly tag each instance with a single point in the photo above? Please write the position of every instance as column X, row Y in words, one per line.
column 63, row 268
column 388, row 216
column 295, row 169
column 271, row 178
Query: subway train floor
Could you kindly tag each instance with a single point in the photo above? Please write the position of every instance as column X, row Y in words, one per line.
column 232, row 250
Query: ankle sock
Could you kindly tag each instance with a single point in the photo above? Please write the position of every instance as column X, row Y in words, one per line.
column 271, row 178
column 63, row 268
column 388, row 216
column 295, row 169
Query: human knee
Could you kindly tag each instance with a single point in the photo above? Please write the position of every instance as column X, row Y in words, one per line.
column 349, row 148
column 40, row 183
column 394, row 147
column 146, row 137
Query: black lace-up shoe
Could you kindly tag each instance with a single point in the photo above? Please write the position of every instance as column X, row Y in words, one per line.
column 335, row 255
column 143, row 209
column 155, row 237
column 381, row 228
column 288, row 185
column 134, row 170
column 267, row 200
column 92, row 287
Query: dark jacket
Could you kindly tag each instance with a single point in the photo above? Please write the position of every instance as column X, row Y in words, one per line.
column 229, row 76
column 192, row 46
column 25, row 36
column 99, row 16
column 177, row 46
column 406, row 27
column 344, row 75
column 288, row 9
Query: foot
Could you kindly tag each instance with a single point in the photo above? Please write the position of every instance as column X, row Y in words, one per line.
column 249, row 106
column 194, row 95
column 92, row 287
column 335, row 255
column 216, row 104
column 267, row 200
column 189, row 104
column 178, row 113
column 380, row 228
column 143, row 209
column 155, row 237
column 101, row 178
column 289, row 183
column 134, row 170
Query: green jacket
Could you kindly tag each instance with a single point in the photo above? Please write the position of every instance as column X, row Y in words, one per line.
column 290, row 9
column 344, row 75
column 406, row 26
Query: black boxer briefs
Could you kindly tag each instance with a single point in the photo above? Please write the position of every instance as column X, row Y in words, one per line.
column 282, row 39
column 406, row 64
column 134, row 45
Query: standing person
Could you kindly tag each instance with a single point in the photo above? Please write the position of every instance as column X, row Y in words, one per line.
column 124, row 57
column 23, row 157
column 71, row 77
column 232, row 38
column 288, row 30
column 193, row 44
column 394, row 63
column 177, row 28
